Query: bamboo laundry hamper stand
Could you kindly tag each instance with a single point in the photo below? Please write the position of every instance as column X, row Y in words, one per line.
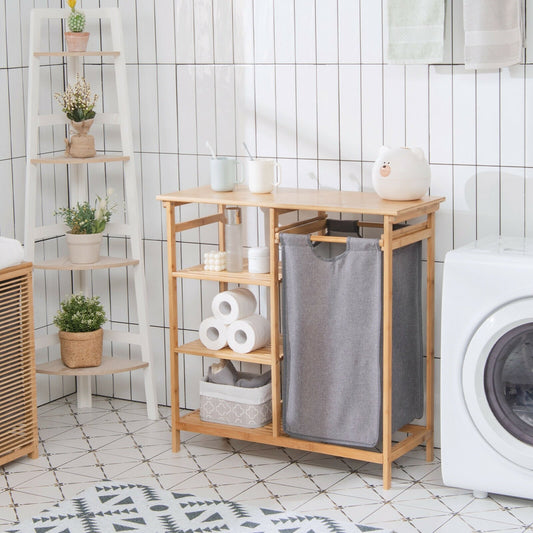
column 280, row 201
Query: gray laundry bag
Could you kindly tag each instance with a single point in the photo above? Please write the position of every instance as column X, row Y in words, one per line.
column 332, row 339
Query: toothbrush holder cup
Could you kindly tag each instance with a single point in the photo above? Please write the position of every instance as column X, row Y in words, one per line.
column 263, row 175
column 223, row 174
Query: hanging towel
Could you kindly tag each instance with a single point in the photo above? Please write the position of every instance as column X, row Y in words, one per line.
column 416, row 31
column 494, row 35
column 11, row 252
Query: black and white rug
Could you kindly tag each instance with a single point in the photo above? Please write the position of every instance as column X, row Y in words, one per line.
column 116, row 507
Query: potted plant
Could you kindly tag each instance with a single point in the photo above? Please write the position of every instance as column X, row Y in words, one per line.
column 78, row 104
column 76, row 38
column 87, row 225
column 80, row 321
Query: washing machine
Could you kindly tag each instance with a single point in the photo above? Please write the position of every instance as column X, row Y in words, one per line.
column 487, row 367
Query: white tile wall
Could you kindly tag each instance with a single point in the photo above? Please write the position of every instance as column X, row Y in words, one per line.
column 300, row 80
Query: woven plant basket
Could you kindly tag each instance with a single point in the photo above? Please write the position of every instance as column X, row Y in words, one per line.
column 80, row 146
column 81, row 350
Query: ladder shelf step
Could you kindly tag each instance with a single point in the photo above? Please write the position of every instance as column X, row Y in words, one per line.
column 110, row 365
column 64, row 263
column 62, row 160
column 94, row 53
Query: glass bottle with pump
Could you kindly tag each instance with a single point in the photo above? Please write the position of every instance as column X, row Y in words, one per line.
column 233, row 238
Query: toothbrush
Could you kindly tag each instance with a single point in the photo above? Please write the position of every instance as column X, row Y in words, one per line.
column 210, row 148
column 247, row 151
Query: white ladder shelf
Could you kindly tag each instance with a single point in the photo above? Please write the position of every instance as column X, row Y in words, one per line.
column 78, row 193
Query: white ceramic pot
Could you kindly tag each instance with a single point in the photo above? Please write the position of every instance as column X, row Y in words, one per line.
column 84, row 249
column 401, row 173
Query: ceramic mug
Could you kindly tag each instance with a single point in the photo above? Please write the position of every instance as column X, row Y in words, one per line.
column 263, row 175
column 223, row 174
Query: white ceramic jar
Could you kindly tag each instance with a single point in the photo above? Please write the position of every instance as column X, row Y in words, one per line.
column 259, row 260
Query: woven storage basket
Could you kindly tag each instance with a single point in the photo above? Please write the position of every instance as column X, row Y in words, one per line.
column 80, row 350
column 236, row 406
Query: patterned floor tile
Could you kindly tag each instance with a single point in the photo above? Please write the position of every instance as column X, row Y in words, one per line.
column 491, row 520
column 115, row 440
column 361, row 513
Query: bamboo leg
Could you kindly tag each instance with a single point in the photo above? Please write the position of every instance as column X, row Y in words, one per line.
column 274, row 324
column 173, row 324
column 387, row 352
column 430, row 349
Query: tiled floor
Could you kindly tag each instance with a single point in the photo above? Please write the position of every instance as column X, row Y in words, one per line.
column 114, row 440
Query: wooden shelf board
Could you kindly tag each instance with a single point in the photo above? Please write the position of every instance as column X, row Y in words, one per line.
column 110, row 365
column 262, row 356
column 63, row 263
column 308, row 200
column 198, row 272
column 78, row 160
column 95, row 53
column 192, row 422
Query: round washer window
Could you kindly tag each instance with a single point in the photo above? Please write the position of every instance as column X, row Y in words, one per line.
column 508, row 381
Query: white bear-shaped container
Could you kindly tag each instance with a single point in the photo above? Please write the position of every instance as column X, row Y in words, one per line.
column 401, row 173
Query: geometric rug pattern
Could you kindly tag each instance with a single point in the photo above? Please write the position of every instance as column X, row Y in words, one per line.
column 124, row 507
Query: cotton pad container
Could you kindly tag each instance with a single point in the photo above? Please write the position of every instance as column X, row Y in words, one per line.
column 258, row 260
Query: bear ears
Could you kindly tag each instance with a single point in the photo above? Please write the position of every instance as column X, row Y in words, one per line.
column 416, row 151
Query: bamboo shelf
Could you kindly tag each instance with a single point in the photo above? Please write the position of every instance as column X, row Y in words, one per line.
column 198, row 272
column 281, row 201
column 262, row 356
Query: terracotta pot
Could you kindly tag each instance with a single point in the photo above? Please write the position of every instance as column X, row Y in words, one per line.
column 84, row 248
column 81, row 350
column 76, row 41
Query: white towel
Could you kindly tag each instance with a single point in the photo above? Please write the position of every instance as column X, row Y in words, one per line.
column 494, row 35
column 415, row 31
column 11, row 252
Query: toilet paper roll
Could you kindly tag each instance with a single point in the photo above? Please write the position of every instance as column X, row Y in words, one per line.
column 248, row 334
column 213, row 333
column 232, row 305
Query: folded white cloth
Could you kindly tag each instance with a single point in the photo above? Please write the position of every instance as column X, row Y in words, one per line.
column 494, row 33
column 11, row 252
column 415, row 31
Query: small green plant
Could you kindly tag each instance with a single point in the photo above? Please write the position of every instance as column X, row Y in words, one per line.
column 77, row 101
column 80, row 314
column 76, row 19
column 85, row 219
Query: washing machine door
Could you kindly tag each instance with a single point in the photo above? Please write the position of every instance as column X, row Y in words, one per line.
column 498, row 381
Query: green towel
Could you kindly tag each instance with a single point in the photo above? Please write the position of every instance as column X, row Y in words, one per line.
column 416, row 31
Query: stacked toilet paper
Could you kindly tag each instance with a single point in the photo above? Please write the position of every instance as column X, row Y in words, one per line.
column 234, row 323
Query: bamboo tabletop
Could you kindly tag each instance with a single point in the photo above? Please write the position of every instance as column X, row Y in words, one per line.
column 306, row 199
